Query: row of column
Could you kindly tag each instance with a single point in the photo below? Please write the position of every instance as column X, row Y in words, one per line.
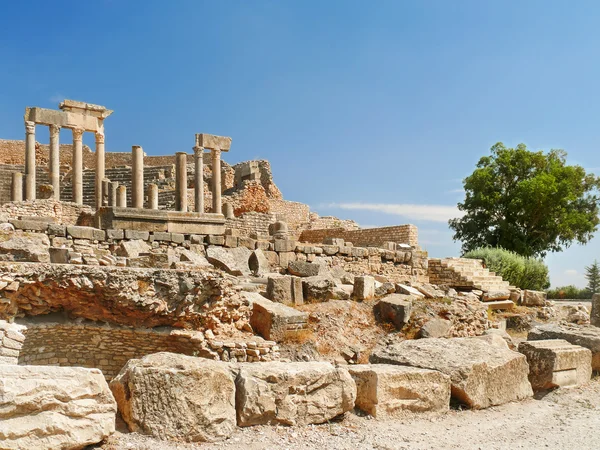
column 54, row 164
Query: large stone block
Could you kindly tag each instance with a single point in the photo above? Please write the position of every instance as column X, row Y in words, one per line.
column 214, row 142
column 386, row 391
column 318, row 289
column 259, row 263
column 556, row 363
column 273, row 320
column 395, row 308
column 408, row 290
column 364, row 288
column 285, row 245
column 133, row 248
column 482, row 375
column 533, row 298
column 231, row 260
column 298, row 393
column 30, row 247
column 306, row 269
column 285, row 289
column 587, row 336
column 93, row 234
column 46, row 407
column 172, row 396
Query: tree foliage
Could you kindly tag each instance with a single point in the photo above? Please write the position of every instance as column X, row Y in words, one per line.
column 527, row 202
column 568, row 293
column 592, row 275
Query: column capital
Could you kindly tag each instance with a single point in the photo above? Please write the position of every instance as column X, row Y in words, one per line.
column 198, row 150
column 77, row 133
column 99, row 137
column 29, row 127
column 216, row 153
column 54, row 130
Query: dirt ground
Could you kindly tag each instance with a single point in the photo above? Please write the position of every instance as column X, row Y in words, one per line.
column 561, row 419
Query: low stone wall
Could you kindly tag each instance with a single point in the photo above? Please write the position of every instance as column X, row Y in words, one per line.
column 252, row 224
column 327, row 222
column 11, row 341
column 66, row 213
column 294, row 213
column 108, row 348
column 369, row 237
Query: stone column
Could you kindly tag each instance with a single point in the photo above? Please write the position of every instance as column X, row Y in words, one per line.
column 216, row 181
column 77, row 165
column 137, row 177
column 122, row 196
column 198, row 179
column 29, row 160
column 181, row 182
column 152, row 192
column 100, row 165
column 16, row 188
column 54, row 162
column 228, row 211
column 105, row 191
column 112, row 193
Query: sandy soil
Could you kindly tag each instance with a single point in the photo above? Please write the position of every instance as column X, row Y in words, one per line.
column 561, row 419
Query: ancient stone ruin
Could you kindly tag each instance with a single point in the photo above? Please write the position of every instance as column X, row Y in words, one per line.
column 129, row 282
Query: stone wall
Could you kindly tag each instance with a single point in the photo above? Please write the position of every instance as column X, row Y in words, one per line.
column 11, row 341
column 294, row 213
column 60, row 212
column 252, row 224
column 108, row 348
column 375, row 237
column 327, row 222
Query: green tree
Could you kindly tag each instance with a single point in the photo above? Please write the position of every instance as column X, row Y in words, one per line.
column 592, row 274
column 527, row 202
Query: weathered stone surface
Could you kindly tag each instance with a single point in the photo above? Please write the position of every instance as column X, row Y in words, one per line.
column 259, row 263
column 299, row 393
column 133, row 248
column 11, row 341
column 306, row 269
column 533, row 298
column 556, row 363
column 364, row 287
column 503, row 334
column 587, row 336
column 90, row 233
column 436, row 328
column 386, row 391
column 31, row 247
column 232, row 260
column 172, row 396
column 395, row 308
column 285, row 289
column 139, row 297
column 595, row 314
column 46, row 407
column 482, row 375
column 273, row 320
column 318, row 289
column 494, row 296
column 59, row 255
column 408, row 290
column 500, row 305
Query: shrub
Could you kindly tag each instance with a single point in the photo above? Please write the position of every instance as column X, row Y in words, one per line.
column 519, row 271
column 569, row 292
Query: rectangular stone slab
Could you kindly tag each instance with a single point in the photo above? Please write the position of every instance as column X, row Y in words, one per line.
column 211, row 141
column 587, row 336
column 387, row 391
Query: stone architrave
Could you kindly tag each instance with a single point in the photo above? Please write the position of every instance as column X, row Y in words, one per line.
column 198, row 178
column 137, row 177
column 181, row 203
column 54, row 161
column 152, row 190
column 216, row 180
column 29, row 160
column 17, row 187
column 77, row 165
column 100, row 172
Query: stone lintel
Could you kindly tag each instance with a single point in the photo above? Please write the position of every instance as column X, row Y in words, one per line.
column 160, row 220
column 63, row 119
column 85, row 108
column 213, row 142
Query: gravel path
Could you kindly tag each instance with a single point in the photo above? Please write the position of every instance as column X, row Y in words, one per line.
column 565, row 418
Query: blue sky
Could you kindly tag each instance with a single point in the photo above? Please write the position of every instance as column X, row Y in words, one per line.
column 373, row 111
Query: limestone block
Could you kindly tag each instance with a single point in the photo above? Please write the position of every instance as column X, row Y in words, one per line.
column 285, row 289
column 285, row 245
column 92, row 234
column 247, row 242
column 395, row 308
column 436, row 328
column 132, row 248
column 387, row 391
column 338, row 242
column 318, row 289
column 46, row 407
column 211, row 141
column 482, row 375
column 173, row 396
column 272, row 320
column 533, row 298
column 115, row 234
column 259, row 263
column 587, row 336
column 56, row 229
column 306, row 269
column 493, row 296
column 30, row 247
column 595, row 314
column 232, row 260
column 297, row 393
column 213, row 239
column 285, row 258
column 556, row 363
column 59, row 255
column 137, row 234
column 500, row 305
column 408, row 290
column 31, row 225
column 364, row 287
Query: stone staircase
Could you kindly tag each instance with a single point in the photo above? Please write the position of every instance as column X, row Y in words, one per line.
column 463, row 273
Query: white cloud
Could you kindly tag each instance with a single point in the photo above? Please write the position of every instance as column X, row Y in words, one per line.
column 431, row 213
